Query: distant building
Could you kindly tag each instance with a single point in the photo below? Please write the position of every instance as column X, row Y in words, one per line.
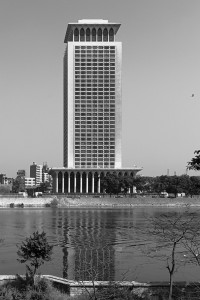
column 46, row 177
column 40, row 173
column 29, row 182
column 9, row 181
column 3, row 178
column 36, row 172
column 45, row 168
column 21, row 173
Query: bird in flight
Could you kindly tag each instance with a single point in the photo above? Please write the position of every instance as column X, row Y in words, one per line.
column 192, row 95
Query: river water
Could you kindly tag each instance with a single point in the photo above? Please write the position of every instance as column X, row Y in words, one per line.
column 100, row 243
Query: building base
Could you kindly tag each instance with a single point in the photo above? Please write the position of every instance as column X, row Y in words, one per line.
column 85, row 181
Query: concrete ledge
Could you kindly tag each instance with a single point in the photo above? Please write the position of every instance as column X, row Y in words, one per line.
column 74, row 283
column 74, row 288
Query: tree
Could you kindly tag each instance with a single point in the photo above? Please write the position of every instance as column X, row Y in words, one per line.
column 43, row 187
column 160, row 184
column 35, row 250
column 175, row 184
column 5, row 189
column 194, row 164
column 175, row 234
column 194, row 186
column 143, row 184
column 19, row 184
column 111, row 184
column 171, row 184
column 115, row 184
column 125, row 183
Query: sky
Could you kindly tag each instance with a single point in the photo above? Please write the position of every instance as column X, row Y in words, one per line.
column 160, row 72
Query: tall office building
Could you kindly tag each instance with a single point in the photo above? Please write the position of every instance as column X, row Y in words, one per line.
column 92, row 95
column 92, row 108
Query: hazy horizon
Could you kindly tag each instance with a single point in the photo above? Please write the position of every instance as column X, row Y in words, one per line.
column 160, row 72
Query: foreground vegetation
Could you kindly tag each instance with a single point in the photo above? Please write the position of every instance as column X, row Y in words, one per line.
column 20, row 289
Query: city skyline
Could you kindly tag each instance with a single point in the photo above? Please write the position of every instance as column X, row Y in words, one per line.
column 161, row 68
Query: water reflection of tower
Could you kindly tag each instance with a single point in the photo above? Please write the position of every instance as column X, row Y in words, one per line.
column 90, row 253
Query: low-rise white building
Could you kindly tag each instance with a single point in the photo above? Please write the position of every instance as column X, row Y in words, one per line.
column 29, row 182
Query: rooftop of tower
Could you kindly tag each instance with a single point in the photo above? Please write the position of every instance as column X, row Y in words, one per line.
column 89, row 23
column 92, row 21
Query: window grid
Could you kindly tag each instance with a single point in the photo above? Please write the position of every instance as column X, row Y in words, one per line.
column 94, row 106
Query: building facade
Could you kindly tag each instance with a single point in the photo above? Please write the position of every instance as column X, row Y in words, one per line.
column 21, row 173
column 3, row 178
column 92, row 95
column 92, row 108
column 36, row 172
column 29, row 182
column 46, row 177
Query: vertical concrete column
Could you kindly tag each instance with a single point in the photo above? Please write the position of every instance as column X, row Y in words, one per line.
column 68, row 182
column 74, row 182
column 63, row 182
column 92, row 182
column 81, row 182
column 99, row 183
column 56, row 182
column 87, row 183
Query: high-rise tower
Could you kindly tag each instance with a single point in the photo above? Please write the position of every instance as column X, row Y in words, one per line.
column 92, row 95
column 92, row 109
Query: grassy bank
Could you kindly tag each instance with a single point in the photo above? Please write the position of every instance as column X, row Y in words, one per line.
column 106, row 201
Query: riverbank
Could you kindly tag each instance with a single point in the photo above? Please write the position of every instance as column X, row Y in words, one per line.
column 89, row 201
column 57, row 288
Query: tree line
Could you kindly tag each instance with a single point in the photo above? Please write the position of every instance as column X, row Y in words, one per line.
column 190, row 185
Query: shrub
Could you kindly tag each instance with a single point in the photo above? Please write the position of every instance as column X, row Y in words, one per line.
column 9, row 294
column 21, row 290
column 20, row 205
column 54, row 202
